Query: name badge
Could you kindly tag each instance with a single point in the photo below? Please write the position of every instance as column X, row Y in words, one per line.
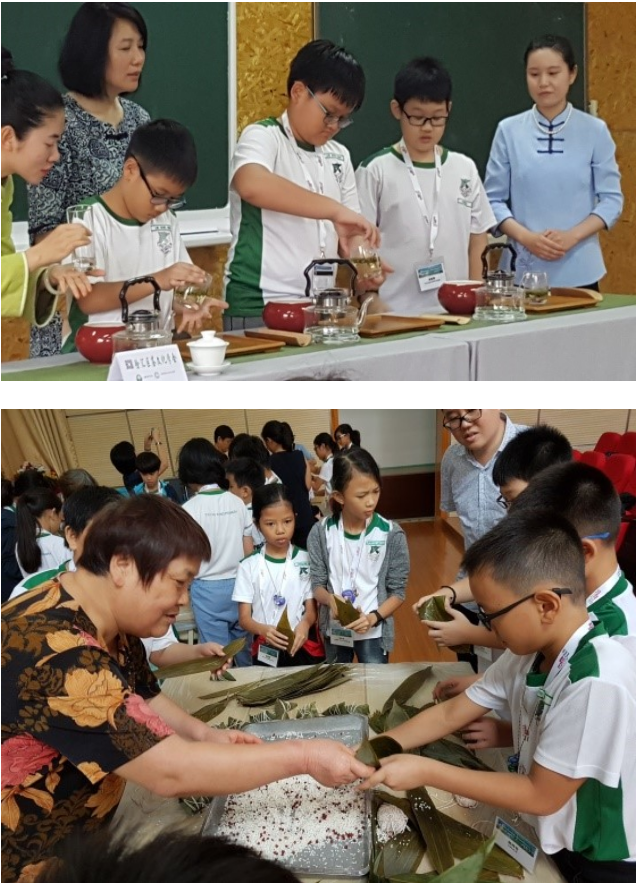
column 515, row 844
column 431, row 274
column 268, row 656
column 148, row 365
column 341, row 637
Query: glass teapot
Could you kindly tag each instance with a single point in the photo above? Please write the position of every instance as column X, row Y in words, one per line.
column 142, row 328
column 499, row 299
column 333, row 316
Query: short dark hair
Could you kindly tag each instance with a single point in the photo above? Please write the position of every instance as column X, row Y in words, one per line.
column 151, row 530
column 28, row 480
column 528, row 547
column 74, row 479
column 346, row 429
column 123, row 457
column 84, row 54
column 280, row 433
column 324, row 67
column 147, row 462
column 324, row 438
column 199, row 464
column 85, row 503
column 558, row 44
column 269, row 495
column 578, row 492
column 345, row 465
column 100, row 857
column 247, row 472
column 27, row 99
column 244, row 445
column 424, row 79
column 165, row 147
column 529, row 452
column 223, row 431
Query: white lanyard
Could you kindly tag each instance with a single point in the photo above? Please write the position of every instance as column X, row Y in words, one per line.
column 322, row 226
column 348, row 590
column 606, row 587
column 266, row 580
column 422, row 205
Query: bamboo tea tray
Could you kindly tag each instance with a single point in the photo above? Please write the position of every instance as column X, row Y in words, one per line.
column 239, row 345
column 566, row 299
column 383, row 324
column 291, row 338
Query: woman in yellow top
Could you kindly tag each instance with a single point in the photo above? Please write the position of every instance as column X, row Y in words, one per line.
column 32, row 123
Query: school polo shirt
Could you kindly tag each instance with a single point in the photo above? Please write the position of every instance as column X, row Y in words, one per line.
column 42, row 576
column 125, row 249
column 613, row 604
column 468, row 488
column 270, row 250
column 326, row 472
column 260, row 577
column 54, row 552
column 388, row 200
column 364, row 556
column 584, row 728
column 226, row 522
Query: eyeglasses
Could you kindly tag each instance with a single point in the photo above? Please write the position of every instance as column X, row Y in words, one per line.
column 414, row 120
column 504, row 502
column 468, row 417
column 487, row 618
column 330, row 118
column 155, row 199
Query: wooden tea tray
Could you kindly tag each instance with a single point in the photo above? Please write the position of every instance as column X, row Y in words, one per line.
column 291, row 338
column 566, row 299
column 384, row 324
column 238, row 345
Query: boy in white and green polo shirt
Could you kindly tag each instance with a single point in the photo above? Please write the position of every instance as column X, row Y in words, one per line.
column 293, row 191
column 569, row 692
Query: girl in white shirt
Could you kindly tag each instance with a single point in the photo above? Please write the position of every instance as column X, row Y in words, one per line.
column 274, row 580
column 39, row 546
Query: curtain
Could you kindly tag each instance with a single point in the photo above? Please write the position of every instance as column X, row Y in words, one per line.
column 40, row 436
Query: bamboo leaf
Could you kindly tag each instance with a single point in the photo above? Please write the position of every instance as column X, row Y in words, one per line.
column 432, row 829
column 451, row 752
column 371, row 751
column 227, row 676
column 469, row 869
column 465, row 840
column 409, row 687
column 396, row 716
column 283, row 626
column 377, row 722
column 209, row 663
column 402, row 854
column 434, row 610
column 346, row 611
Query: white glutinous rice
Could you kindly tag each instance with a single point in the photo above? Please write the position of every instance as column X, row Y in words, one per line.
column 465, row 801
column 285, row 818
column 390, row 821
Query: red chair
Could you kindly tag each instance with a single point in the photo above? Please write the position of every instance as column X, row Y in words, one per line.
column 627, row 444
column 577, row 455
column 594, row 458
column 620, row 468
column 608, row 443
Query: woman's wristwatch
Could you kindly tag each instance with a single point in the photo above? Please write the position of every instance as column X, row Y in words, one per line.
column 379, row 618
column 454, row 596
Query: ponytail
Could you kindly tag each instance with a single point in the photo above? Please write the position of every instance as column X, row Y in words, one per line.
column 346, row 429
column 30, row 507
column 279, row 433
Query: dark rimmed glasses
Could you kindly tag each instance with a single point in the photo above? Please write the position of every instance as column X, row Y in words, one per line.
column 487, row 618
column 155, row 198
column 453, row 423
column 414, row 120
column 330, row 118
column 504, row 502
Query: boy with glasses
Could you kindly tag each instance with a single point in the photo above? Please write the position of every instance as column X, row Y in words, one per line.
column 293, row 192
column 566, row 687
column 136, row 233
column 428, row 202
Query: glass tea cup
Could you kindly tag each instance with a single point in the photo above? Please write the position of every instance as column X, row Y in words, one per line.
column 536, row 288
column 192, row 297
column 83, row 257
column 366, row 260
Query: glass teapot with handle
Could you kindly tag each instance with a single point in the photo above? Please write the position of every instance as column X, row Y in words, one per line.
column 142, row 328
column 334, row 316
column 499, row 299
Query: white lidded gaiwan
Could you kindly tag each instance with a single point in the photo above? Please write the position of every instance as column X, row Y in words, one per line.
column 208, row 351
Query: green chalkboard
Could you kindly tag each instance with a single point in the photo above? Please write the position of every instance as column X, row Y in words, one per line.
column 185, row 76
column 481, row 44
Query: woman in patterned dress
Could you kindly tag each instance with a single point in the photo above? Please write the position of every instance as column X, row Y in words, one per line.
column 101, row 59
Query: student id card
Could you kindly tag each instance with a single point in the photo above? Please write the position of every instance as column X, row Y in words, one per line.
column 430, row 274
column 268, row 656
column 515, row 844
column 341, row 637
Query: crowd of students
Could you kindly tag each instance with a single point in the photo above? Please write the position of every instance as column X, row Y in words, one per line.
column 540, row 597
column 552, row 184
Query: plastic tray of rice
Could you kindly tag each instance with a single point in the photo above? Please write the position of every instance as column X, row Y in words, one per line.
column 308, row 828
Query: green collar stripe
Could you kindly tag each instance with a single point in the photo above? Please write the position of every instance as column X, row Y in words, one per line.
column 422, row 165
column 127, row 222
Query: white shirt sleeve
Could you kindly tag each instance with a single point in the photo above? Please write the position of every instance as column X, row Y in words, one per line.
column 349, row 193
column 243, row 585
column 247, row 520
column 369, row 191
column 257, row 144
column 152, row 645
column 482, row 217
column 491, row 690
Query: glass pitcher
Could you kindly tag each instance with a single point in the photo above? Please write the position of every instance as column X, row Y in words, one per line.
column 499, row 299
column 142, row 328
